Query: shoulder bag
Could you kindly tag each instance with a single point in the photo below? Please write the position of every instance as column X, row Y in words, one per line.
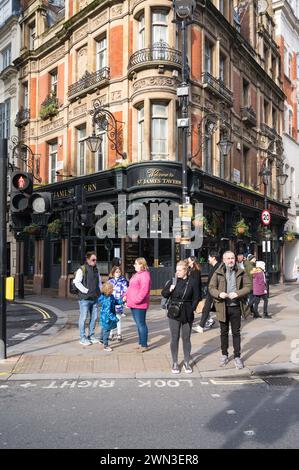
column 175, row 306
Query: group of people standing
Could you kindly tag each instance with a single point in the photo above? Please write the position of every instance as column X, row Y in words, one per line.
column 235, row 287
column 111, row 298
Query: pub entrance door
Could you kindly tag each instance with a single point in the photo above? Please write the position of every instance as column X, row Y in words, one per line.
column 160, row 256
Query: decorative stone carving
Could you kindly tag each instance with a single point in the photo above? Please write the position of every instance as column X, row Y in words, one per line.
column 161, row 82
column 52, row 126
column 80, row 110
column 115, row 95
column 83, row 4
column 54, row 57
column 116, row 10
column 99, row 20
column 81, row 33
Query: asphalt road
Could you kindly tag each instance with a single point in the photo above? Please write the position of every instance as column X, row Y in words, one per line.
column 24, row 321
column 181, row 413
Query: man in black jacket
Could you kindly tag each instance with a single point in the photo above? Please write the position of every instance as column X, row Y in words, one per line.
column 213, row 261
column 88, row 282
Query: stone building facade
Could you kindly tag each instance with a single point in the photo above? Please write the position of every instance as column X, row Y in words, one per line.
column 127, row 57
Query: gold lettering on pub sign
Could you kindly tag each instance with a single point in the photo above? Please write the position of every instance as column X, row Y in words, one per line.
column 156, row 176
column 90, row 187
column 62, row 193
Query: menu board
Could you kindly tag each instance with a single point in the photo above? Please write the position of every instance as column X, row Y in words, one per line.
column 131, row 253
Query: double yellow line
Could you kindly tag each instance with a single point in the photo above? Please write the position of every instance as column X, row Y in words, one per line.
column 45, row 314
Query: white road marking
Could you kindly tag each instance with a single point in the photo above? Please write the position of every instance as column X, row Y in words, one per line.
column 28, row 384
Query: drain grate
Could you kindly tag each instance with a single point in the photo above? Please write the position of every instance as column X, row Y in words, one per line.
column 281, row 381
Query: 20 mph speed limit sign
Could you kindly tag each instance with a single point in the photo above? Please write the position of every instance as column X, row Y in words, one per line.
column 266, row 217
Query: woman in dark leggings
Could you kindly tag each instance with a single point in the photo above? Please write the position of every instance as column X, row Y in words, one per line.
column 184, row 289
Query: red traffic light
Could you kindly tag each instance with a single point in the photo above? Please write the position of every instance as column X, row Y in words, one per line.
column 21, row 181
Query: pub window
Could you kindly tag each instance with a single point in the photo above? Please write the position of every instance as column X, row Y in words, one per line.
column 246, row 87
column 52, row 146
column 53, row 82
column 246, row 166
column 31, row 32
column 208, row 152
column 81, row 161
column 159, row 131
column 140, row 133
column 5, row 120
column 25, row 95
column 159, row 27
column 208, row 59
column 266, row 112
column 101, row 53
column 5, row 57
column 101, row 155
column 141, row 31
column 222, row 68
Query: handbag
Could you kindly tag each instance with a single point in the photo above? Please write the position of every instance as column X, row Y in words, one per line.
column 165, row 301
column 175, row 306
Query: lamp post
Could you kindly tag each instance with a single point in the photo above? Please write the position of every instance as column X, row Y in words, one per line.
column 266, row 174
column 105, row 121
column 184, row 10
column 3, row 255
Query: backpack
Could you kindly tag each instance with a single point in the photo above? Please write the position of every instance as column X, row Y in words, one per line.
column 73, row 288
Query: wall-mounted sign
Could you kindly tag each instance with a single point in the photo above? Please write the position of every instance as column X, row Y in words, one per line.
column 153, row 175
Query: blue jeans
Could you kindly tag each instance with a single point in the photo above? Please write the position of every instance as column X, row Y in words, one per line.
column 104, row 336
column 139, row 318
column 88, row 307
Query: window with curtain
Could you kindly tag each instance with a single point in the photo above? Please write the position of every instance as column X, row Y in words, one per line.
column 81, row 161
column 140, row 150
column 101, row 53
column 52, row 161
column 141, row 32
column 159, row 27
column 159, row 131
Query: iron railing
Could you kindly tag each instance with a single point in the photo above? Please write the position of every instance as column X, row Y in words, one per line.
column 22, row 117
column 218, row 85
column 88, row 81
column 155, row 53
column 248, row 115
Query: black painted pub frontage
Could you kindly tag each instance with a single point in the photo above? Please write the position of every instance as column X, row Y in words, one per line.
column 50, row 258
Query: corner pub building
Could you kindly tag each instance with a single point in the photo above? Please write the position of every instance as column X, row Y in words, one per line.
column 74, row 61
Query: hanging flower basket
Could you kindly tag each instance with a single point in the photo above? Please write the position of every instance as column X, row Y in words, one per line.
column 289, row 236
column 55, row 227
column 241, row 228
column 32, row 229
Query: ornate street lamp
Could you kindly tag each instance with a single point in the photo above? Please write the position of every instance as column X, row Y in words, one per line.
column 20, row 152
column 225, row 146
column 265, row 173
column 105, row 121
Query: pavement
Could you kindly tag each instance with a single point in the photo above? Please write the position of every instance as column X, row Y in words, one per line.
column 268, row 346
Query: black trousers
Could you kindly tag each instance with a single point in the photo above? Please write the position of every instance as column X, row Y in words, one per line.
column 256, row 301
column 206, row 310
column 233, row 317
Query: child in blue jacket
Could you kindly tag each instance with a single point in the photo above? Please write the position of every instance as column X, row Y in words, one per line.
column 108, row 318
column 120, row 285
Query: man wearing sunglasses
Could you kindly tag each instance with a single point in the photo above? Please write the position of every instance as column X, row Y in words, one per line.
column 88, row 282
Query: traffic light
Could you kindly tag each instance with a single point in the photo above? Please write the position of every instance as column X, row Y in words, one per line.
column 21, row 190
column 40, row 202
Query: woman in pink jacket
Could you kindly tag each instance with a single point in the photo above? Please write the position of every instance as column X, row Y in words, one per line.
column 138, row 298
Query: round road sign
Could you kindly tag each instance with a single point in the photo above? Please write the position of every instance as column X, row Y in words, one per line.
column 266, row 217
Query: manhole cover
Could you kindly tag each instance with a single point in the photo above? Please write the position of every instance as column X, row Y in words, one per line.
column 281, row 381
